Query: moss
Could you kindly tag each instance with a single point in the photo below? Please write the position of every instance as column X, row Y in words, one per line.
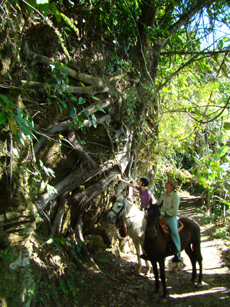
column 18, row 285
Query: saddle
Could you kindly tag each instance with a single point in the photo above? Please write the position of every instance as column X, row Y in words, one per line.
column 165, row 228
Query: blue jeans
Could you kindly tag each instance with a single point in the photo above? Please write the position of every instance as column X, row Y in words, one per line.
column 172, row 223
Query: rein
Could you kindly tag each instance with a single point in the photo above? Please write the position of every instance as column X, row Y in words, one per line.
column 119, row 213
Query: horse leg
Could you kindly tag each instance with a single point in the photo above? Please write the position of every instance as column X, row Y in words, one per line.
column 138, row 250
column 162, row 275
column 146, row 264
column 196, row 248
column 147, row 267
column 192, row 256
column 157, row 285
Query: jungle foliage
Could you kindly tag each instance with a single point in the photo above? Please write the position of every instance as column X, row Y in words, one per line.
column 91, row 89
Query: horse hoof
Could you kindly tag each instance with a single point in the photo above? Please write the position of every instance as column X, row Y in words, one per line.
column 199, row 285
column 191, row 283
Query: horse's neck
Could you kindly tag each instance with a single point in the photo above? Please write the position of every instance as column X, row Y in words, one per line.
column 135, row 222
column 126, row 211
column 132, row 213
column 130, row 209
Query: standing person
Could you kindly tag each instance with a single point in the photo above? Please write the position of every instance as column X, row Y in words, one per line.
column 169, row 210
column 145, row 194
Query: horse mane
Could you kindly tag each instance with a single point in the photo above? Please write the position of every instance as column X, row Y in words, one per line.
column 129, row 205
column 155, row 211
column 154, row 208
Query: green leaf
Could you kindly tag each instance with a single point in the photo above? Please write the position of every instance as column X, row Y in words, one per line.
column 7, row 102
column 81, row 100
column 86, row 114
column 227, row 126
column 73, row 98
column 63, row 103
column 220, row 44
column 12, row 125
column 94, row 120
column 50, row 241
column 73, row 112
column 26, row 130
column 96, row 98
column 100, row 109
column 44, row 8
column 3, row 118
column 197, row 111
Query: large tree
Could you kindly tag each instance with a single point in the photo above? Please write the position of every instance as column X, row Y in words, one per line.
column 85, row 86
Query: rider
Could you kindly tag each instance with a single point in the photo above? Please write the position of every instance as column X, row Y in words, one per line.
column 169, row 212
column 145, row 194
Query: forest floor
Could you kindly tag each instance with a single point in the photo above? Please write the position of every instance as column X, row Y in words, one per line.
column 118, row 284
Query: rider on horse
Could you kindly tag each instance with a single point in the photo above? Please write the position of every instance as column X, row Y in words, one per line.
column 169, row 212
column 145, row 194
column 170, row 200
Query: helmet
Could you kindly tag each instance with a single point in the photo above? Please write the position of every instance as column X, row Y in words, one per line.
column 145, row 181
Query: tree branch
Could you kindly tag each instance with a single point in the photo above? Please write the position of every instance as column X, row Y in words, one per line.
column 195, row 53
column 184, row 19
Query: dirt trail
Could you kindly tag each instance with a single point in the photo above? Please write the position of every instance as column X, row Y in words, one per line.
column 119, row 285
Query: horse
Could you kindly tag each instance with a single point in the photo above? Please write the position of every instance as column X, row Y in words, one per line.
column 157, row 248
column 134, row 222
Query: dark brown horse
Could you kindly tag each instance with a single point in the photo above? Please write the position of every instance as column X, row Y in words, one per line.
column 157, row 247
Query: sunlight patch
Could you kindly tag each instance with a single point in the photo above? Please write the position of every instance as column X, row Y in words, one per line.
column 204, row 292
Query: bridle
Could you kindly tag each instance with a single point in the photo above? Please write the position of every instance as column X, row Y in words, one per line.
column 119, row 212
column 118, row 217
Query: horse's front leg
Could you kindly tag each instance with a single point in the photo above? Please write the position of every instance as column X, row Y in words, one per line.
column 147, row 264
column 138, row 251
column 147, row 267
column 157, row 284
column 162, row 275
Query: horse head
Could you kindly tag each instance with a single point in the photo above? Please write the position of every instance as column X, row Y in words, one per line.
column 117, row 210
column 153, row 218
column 120, row 208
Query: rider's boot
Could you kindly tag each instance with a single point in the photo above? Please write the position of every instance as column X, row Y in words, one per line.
column 176, row 258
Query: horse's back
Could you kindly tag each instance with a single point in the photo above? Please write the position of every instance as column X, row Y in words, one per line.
column 191, row 230
column 190, row 224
